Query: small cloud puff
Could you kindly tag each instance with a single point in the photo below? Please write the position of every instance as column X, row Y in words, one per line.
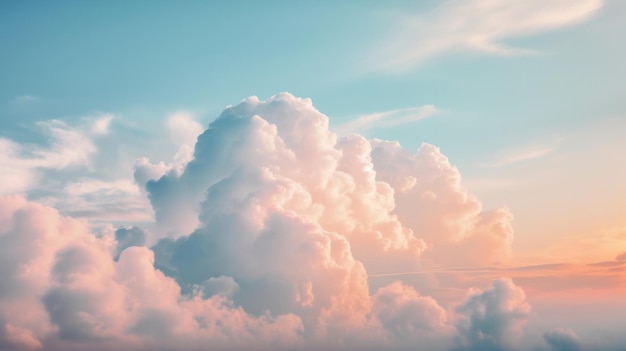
column 493, row 319
column 562, row 340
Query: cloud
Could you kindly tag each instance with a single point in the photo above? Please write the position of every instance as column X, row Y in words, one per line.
column 183, row 128
column 115, row 201
column 262, row 238
column 21, row 165
column 430, row 200
column 184, row 131
column 481, row 26
column 67, row 169
column 493, row 319
column 562, row 340
column 26, row 99
column 365, row 190
column 407, row 314
column 522, row 155
column 387, row 119
column 62, row 289
column 100, row 125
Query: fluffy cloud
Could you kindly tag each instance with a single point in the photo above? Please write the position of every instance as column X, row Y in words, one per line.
column 562, row 340
column 380, row 197
column 430, row 201
column 493, row 319
column 410, row 317
column 61, row 288
column 263, row 237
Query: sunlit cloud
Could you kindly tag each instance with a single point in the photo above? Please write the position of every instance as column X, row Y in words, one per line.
column 272, row 231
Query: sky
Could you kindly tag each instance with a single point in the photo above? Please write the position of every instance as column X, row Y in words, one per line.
column 306, row 175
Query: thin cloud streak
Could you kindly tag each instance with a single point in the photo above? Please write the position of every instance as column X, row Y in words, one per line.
column 26, row 99
column 518, row 156
column 387, row 119
column 481, row 26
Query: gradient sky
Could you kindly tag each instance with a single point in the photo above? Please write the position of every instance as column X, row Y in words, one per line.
column 508, row 179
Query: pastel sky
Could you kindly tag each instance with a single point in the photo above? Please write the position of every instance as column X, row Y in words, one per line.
column 313, row 175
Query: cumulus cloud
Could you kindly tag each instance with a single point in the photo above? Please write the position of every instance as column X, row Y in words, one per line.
column 408, row 315
column 562, row 340
column 493, row 319
column 184, row 131
column 263, row 237
column 280, row 154
column 430, row 200
column 481, row 26
column 61, row 288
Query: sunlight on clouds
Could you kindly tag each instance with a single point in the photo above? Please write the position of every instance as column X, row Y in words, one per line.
column 273, row 225
column 273, row 232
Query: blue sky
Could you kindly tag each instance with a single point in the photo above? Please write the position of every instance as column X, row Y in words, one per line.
column 145, row 60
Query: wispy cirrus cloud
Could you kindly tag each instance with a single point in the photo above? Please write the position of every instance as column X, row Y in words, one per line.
column 481, row 26
column 26, row 99
column 388, row 118
column 521, row 155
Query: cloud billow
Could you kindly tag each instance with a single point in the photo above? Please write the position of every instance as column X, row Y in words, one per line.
column 264, row 239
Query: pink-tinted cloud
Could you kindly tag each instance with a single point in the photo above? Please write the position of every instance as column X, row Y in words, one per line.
column 269, row 236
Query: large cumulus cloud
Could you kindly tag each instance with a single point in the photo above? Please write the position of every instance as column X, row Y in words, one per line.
column 262, row 238
column 380, row 197
column 62, row 289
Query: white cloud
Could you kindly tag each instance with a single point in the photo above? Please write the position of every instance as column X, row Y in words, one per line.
column 183, row 128
column 481, row 26
column 61, row 289
column 263, row 239
column 22, row 164
column 387, row 119
column 431, row 201
column 184, row 132
column 118, row 201
column 100, row 125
